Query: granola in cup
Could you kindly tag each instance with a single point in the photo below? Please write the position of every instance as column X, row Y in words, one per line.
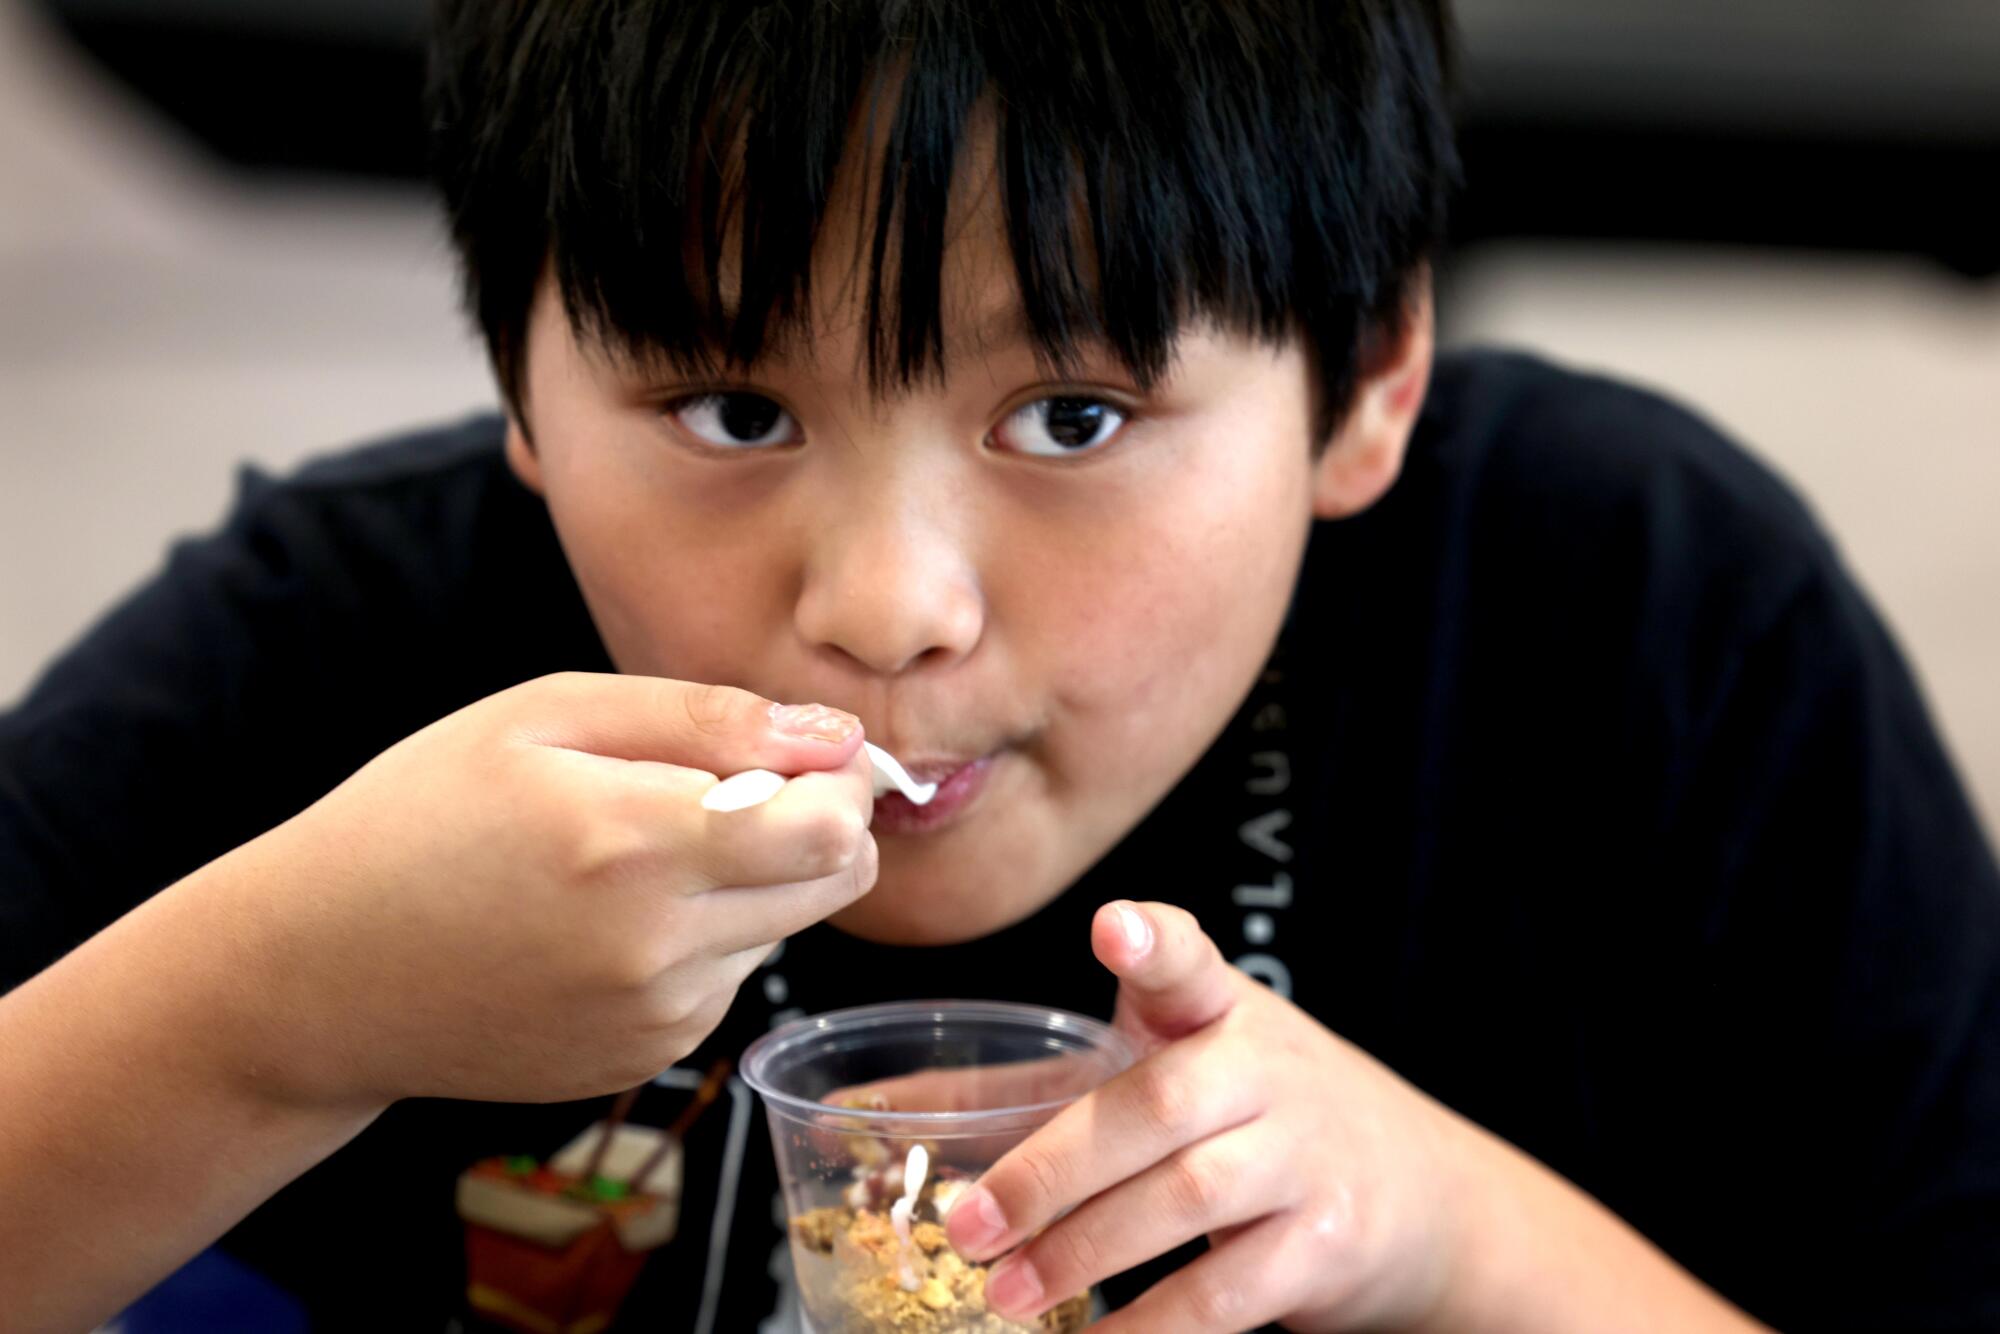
column 880, row 1116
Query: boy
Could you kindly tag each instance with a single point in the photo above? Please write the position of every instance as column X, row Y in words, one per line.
column 1049, row 391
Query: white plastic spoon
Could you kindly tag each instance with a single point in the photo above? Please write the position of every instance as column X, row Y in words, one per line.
column 915, row 1168
column 891, row 776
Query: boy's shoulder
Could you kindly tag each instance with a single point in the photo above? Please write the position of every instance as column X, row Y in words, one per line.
column 422, row 547
column 425, row 507
column 1543, row 466
column 467, row 452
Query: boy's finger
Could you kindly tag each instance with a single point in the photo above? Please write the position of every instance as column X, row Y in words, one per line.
column 1168, row 1101
column 1220, row 1182
column 1245, row 1283
column 1172, row 979
column 650, row 819
column 751, row 917
column 816, row 826
column 717, row 728
column 969, row 1088
column 974, row 1088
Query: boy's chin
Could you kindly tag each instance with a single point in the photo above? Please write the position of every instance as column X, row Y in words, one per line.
column 916, row 909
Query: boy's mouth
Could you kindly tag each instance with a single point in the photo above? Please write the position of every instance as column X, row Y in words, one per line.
column 959, row 783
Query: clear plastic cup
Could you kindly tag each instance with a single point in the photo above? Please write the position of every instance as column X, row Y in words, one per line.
column 850, row 1094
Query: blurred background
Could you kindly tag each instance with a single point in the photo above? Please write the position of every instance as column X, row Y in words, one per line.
column 215, row 247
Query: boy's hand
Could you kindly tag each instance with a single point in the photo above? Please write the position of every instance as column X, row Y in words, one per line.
column 1322, row 1180
column 526, row 901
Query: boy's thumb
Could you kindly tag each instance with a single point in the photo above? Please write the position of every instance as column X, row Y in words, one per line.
column 1172, row 978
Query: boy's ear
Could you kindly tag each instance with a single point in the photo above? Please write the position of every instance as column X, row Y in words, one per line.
column 521, row 456
column 1365, row 456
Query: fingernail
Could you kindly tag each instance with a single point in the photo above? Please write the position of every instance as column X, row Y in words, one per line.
column 1138, row 935
column 813, row 722
column 1013, row 1287
column 975, row 1223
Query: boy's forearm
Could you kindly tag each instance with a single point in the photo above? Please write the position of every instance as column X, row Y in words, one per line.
column 1540, row 1256
column 133, row 1129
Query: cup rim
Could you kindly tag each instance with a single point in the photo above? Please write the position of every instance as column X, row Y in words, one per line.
column 1099, row 1035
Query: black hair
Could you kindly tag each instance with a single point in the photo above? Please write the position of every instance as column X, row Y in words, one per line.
column 1278, row 166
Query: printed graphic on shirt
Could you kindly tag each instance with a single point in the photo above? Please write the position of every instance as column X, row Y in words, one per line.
column 1268, row 891
column 645, row 1194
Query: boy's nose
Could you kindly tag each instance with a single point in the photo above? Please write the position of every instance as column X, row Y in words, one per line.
column 890, row 592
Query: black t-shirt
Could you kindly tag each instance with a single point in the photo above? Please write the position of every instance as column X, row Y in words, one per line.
column 1584, row 789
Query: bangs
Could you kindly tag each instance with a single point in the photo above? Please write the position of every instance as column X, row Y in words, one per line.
column 1277, row 168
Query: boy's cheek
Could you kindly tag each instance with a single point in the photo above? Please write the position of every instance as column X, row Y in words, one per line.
column 1172, row 647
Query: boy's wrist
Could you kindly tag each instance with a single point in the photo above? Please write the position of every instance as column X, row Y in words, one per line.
column 1532, row 1252
column 270, row 1037
column 1481, row 1184
column 1506, row 1237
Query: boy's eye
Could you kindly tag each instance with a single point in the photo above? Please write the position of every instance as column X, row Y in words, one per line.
column 1053, row 427
column 734, row 420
